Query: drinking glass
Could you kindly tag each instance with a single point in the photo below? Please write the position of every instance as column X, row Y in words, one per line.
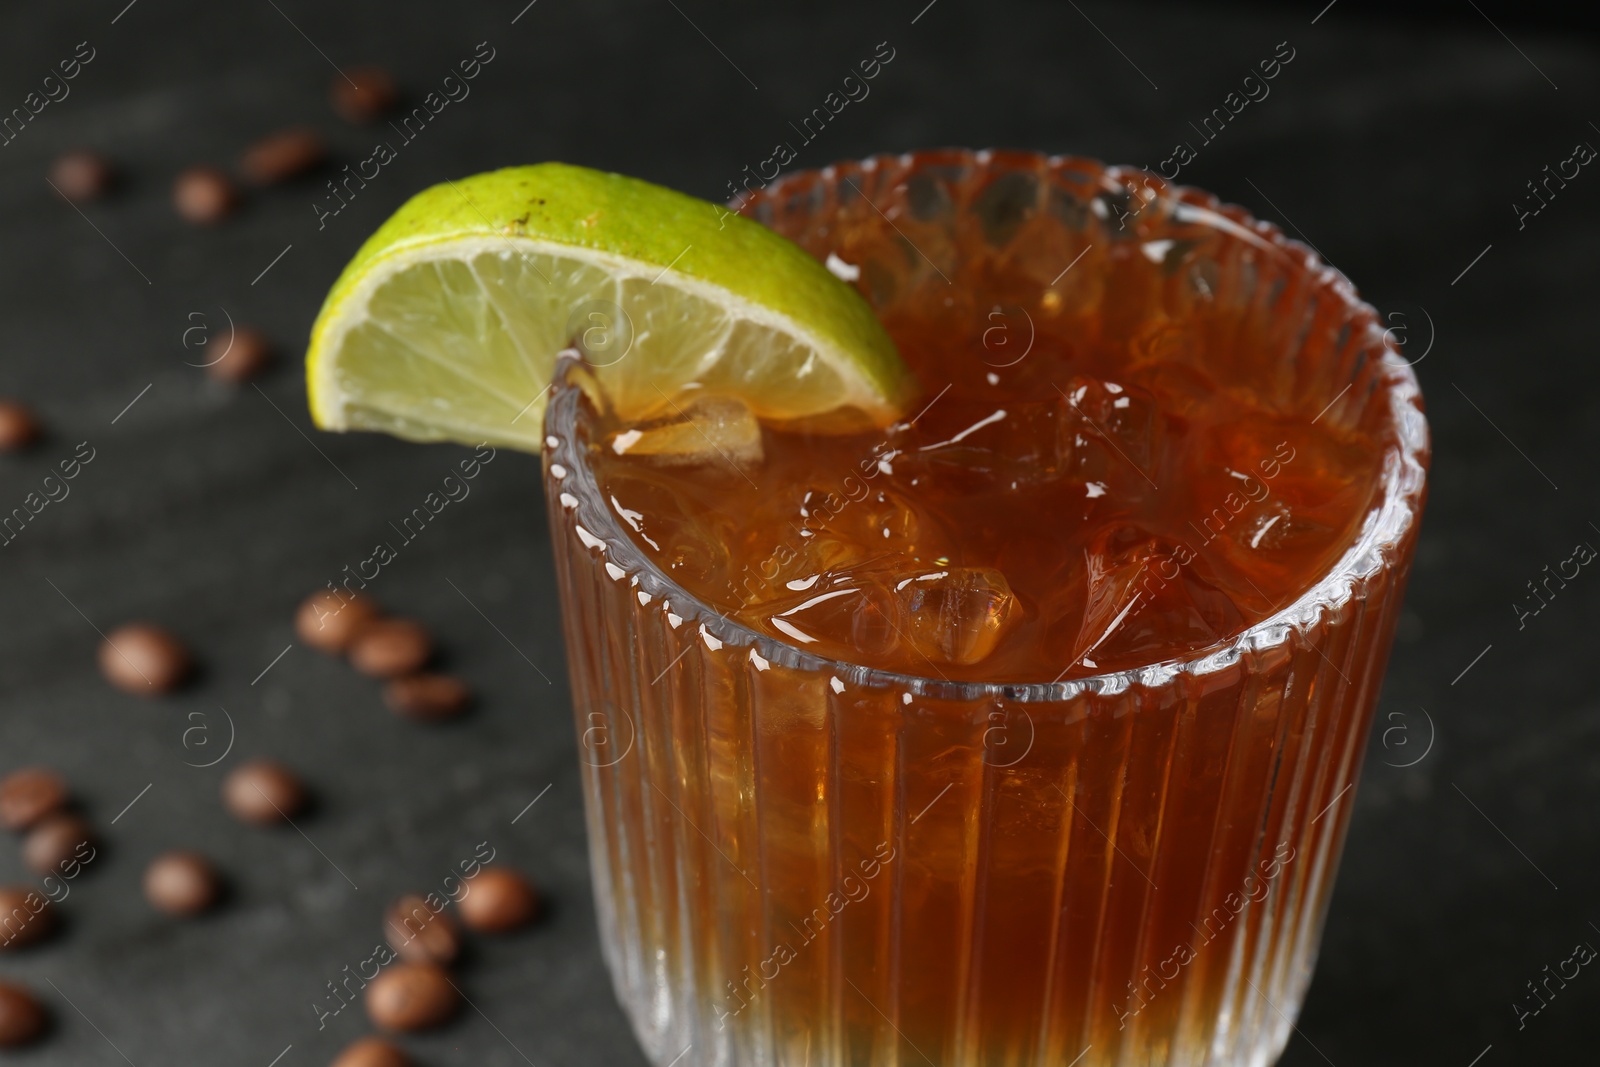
column 812, row 863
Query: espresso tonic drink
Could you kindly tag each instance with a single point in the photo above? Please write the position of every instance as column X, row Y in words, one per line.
column 1019, row 730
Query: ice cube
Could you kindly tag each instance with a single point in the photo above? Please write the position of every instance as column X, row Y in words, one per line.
column 707, row 430
column 885, row 517
column 686, row 540
column 779, row 569
column 827, row 531
column 857, row 617
column 875, row 519
column 1268, row 550
column 1181, row 387
column 1114, row 424
column 1276, row 528
column 957, row 615
column 1307, row 484
column 1312, row 468
column 1146, row 595
column 1019, row 446
column 826, row 554
column 1115, row 563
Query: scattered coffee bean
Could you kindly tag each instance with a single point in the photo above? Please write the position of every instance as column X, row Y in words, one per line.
column 328, row 621
column 237, row 357
column 139, row 657
column 421, row 935
column 263, row 792
column 182, row 883
column 498, row 899
column 22, row 1017
column 82, row 176
column 26, row 917
column 427, row 696
column 19, row 427
column 388, row 648
column 364, row 94
column 411, row 996
column 281, row 156
column 28, row 795
column 204, row 195
column 56, row 842
column 372, row 1052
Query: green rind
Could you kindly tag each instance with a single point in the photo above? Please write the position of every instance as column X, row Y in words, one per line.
column 628, row 217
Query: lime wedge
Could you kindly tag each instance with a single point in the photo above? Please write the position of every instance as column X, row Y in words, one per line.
column 446, row 324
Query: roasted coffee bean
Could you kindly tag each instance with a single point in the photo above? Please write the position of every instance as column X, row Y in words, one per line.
column 330, row 621
column 364, row 94
column 182, row 883
column 427, row 696
column 419, row 934
column 28, row 795
column 238, row 356
column 388, row 648
column 498, row 899
column 19, row 427
column 22, row 1017
column 204, row 195
column 144, row 659
column 26, row 917
column 411, row 996
column 56, row 842
column 372, row 1052
column 263, row 792
column 82, row 176
column 283, row 155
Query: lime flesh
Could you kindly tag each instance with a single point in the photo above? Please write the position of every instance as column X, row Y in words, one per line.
column 446, row 324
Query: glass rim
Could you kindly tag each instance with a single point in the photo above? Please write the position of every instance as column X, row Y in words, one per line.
column 1389, row 519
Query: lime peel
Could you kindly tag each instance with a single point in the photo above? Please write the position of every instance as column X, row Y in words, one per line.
column 446, row 323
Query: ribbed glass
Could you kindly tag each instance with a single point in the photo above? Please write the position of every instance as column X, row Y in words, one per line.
column 813, row 864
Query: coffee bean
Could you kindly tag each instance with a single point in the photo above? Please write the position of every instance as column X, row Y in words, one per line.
column 411, row 996
column 56, row 842
column 142, row 658
column 204, row 195
column 28, row 795
column 372, row 1052
column 237, row 356
column 330, row 621
column 498, row 899
column 419, row 934
column 391, row 647
column 427, row 696
column 364, row 94
column 182, row 883
column 263, row 792
column 82, row 176
column 283, row 155
column 26, row 917
column 19, row 427
column 22, row 1017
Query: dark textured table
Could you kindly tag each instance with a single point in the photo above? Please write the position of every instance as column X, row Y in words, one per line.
column 1399, row 149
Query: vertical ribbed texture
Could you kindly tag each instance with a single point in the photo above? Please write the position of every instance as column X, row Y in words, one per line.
column 804, row 865
column 790, row 874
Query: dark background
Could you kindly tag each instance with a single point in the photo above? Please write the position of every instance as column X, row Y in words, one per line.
column 1396, row 144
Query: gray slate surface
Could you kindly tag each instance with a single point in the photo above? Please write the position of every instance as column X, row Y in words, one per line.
column 1397, row 147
